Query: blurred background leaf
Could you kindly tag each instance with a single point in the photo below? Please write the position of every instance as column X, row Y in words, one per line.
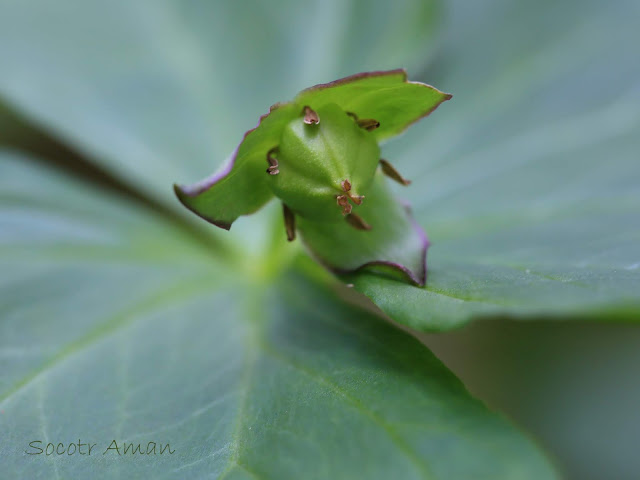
column 162, row 91
column 575, row 386
column 528, row 181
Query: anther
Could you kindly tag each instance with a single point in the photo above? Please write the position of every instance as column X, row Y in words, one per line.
column 357, row 199
column 368, row 124
column 310, row 116
column 343, row 201
column 289, row 223
column 357, row 222
column 390, row 171
column 346, row 187
column 273, row 162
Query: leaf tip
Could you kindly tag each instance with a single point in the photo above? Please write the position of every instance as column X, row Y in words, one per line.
column 184, row 195
column 180, row 193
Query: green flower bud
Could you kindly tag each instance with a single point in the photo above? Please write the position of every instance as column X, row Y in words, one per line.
column 322, row 156
column 324, row 167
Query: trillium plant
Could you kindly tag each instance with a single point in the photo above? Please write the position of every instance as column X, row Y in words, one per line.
column 320, row 156
column 138, row 341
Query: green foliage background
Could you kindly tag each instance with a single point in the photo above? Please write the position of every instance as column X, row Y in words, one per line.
column 123, row 317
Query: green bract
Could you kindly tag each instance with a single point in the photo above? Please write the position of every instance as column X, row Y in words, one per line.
column 319, row 155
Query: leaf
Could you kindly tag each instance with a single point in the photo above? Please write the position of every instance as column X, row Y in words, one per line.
column 117, row 327
column 395, row 243
column 387, row 97
column 528, row 181
column 159, row 91
column 240, row 188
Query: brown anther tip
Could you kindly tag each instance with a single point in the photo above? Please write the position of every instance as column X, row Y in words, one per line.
column 346, row 185
column 289, row 223
column 273, row 162
column 357, row 199
column 270, row 157
column 310, row 116
column 390, row 171
column 357, row 222
column 343, row 201
column 368, row 124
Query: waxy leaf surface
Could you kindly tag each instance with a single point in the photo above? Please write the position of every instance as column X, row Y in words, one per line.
column 527, row 183
column 116, row 326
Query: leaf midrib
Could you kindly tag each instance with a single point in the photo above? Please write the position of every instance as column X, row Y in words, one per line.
column 257, row 342
column 358, row 405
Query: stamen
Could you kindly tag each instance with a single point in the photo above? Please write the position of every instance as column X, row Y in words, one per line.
column 390, row 171
column 310, row 116
column 289, row 223
column 368, row 124
column 357, row 222
column 357, row 199
column 273, row 162
column 346, row 187
column 343, row 201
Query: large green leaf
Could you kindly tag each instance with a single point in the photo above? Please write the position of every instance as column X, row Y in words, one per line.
column 161, row 91
column 530, row 178
column 115, row 326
